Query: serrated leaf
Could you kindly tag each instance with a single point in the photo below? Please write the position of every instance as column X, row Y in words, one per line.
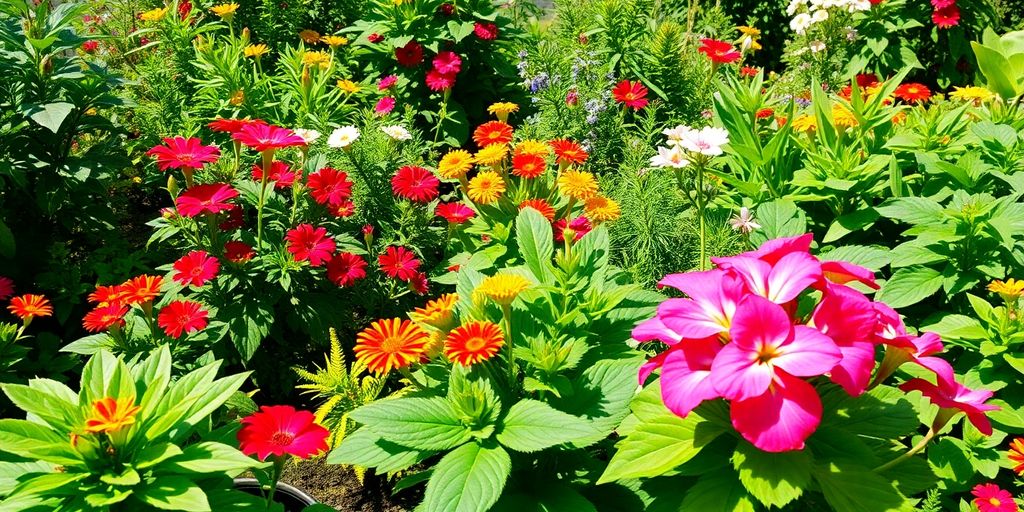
column 470, row 478
column 912, row 210
column 719, row 491
column 532, row 425
column 856, row 489
column 775, row 479
column 910, row 285
column 420, row 423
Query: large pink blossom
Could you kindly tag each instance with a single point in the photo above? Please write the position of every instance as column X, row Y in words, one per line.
column 849, row 318
column 708, row 311
column 953, row 397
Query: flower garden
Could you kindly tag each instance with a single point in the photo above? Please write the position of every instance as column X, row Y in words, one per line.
column 473, row 255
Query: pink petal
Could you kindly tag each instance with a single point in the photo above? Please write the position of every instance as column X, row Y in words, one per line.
column 773, row 250
column 654, row 329
column 652, row 364
column 943, row 370
column 759, row 322
column 791, row 275
column 809, row 353
column 782, row 418
column 753, row 272
column 853, row 372
column 696, row 285
column 684, row 375
column 843, row 272
column 737, row 374
column 692, row 319
column 927, row 344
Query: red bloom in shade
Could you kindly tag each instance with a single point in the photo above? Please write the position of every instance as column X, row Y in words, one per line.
column 398, row 263
column 541, row 206
column 454, row 213
column 720, row 52
column 415, row 184
column 367, row 230
column 104, row 295
column 182, row 316
column 104, row 317
column 141, row 289
column 280, row 429
column 264, row 137
column 866, row 79
column 438, row 81
column 575, row 228
column 346, row 268
column 209, row 198
column 375, row 38
column 384, row 106
column 28, row 306
column 492, row 132
column 387, row 82
column 238, row 252
column 280, row 173
column 951, row 396
column 195, row 268
column 6, row 287
column 748, row 71
column 630, row 94
column 232, row 125
column 447, row 62
column 942, row 4
column 946, row 17
column 446, row 9
column 912, row 92
column 182, row 153
column 90, row 46
column 410, row 55
column 343, row 209
column 765, row 113
column 329, row 186
column 308, row 243
column 184, row 8
column 485, row 31
column 419, row 283
column 233, row 220
column 528, row 166
column 990, row 498
column 568, row 152
column 875, row 2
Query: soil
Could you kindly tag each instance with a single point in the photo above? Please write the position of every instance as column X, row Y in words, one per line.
column 338, row 487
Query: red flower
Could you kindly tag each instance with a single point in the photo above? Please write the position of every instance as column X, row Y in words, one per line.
column 419, row 283
column 748, row 71
column 209, row 198
column 946, row 17
column 28, row 306
column 720, row 52
column 280, row 174
column 182, row 153
column 104, row 317
column 866, row 79
column 104, row 295
column 367, row 230
column 195, row 268
column 528, row 166
column 492, row 132
column 447, row 9
column 942, row 4
column 329, row 186
column 765, row 113
column 485, row 31
column 234, row 219
column 238, row 252
column 631, row 94
column 343, row 209
column 346, row 268
column 184, row 8
column 572, row 97
column 415, row 184
column 384, row 106
column 568, row 152
column 6, row 287
column 232, row 125
column 90, row 46
column 182, row 316
column 307, row 243
column 454, row 213
column 447, row 62
column 398, row 263
column 264, row 137
column 990, row 498
column 280, row 429
column 410, row 55
column 912, row 92
column 875, row 2
column 387, row 82
column 438, row 81
column 576, row 228
column 375, row 38
column 141, row 289
column 541, row 206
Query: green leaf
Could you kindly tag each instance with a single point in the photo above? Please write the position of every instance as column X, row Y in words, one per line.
column 719, row 491
column 366, row 449
column 421, row 423
column 775, row 479
column 470, row 478
column 459, row 30
column 35, row 441
column 534, row 236
column 55, row 411
column 951, row 460
column 778, row 218
column 883, row 412
column 51, row 115
column 856, row 489
column 912, row 210
column 154, row 454
column 870, row 257
column 849, row 223
column 910, row 285
column 249, row 323
column 533, row 426
column 173, row 493
column 210, row 457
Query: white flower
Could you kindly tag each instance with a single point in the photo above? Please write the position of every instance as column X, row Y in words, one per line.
column 310, row 136
column 744, row 221
column 343, row 137
column 708, row 141
column 793, row 6
column 396, row 132
column 851, row 34
column 670, row 157
column 674, row 135
column 817, row 46
column 800, row 23
column 819, row 16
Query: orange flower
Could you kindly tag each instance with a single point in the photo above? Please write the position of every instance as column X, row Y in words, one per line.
column 912, row 93
column 541, row 206
column 110, row 414
column 527, row 166
column 28, row 306
column 474, row 342
column 492, row 132
column 389, row 344
column 106, row 295
column 568, row 152
column 141, row 289
column 436, row 313
column 1016, row 455
column 309, row 36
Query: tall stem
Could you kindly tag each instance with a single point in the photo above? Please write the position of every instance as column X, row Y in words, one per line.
column 506, row 313
column 268, row 162
column 701, row 207
column 910, row 453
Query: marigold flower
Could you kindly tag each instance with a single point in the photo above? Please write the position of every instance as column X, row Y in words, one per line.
column 541, row 206
column 256, row 50
column 208, row 198
column 486, row 187
column 346, row 268
column 110, row 415
column 492, row 132
column 238, row 252
column 154, row 14
column 390, row 344
column 719, row 52
column 348, row 86
column 6, row 287
column 320, row 59
column 913, row 93
column 141, row 289
column 568, row 152
column 528, row 166
column 502, row 288
column 182, row 153
column 182, row 316
column 991, row 498
column 454, row 213
column 630, row 94
column 473, row 342
column 575, row 229
column 1016, row 455
column 804, row 123
column 437, row 313
column 279, row 430
column 601, row 209
column 225, row 11
column 532, row 147
column 455, row 164
column 329, row 186
column 579, row 185
column 334, row 41
column 502, row 109
column 491, row 155
column 1010, row 290
column 308, row 243
column 415, row 183
column 29, row 306
column 398, row 263
column 309, row 36
column 842, row 117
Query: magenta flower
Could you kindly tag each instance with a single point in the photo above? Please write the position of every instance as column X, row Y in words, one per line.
column 209, row 198
column 263, row 137
column 384, row 106
column 182, row 153
column 447, row 62
column 779, row 282
column 952, row 398
column 438, row 81
column 849, row 318
column 842, row 272
column 387, row 82
column 708, row 311
column 685, row 366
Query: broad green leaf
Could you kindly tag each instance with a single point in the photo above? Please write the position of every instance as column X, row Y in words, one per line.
column 719, row 491
column 36, row 441
column 912, row 210
column 209, row 457
column 951, row 460
column 910, row 285
column 154, row 454
column 532, row 426
column 46, row 482
column 778, row 218
column 775, row 479
column 849, row 223
column 883, row 412
column 533, row 234
column 470, row 478
column 366, row 449
column 52, row 115
column 173, row 493
column 857, row 489
column 54, row 410
column 420, row 423
column 870, row 257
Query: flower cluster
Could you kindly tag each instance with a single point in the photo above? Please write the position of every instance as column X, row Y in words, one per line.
column 685, row 144
column 807, row 13
column 112, row 304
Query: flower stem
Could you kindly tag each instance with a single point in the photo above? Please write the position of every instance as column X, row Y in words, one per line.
column 268, row 161
column 506, row 313
column 910, row 453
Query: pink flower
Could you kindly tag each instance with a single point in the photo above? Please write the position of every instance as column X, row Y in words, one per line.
column 415, row 183
column 572, row 97
column 953, row 397
column 438, row 81
column 849, row 318
column 419, row 283
column 991, row 498
column 447, row 62
column 946, row 17
column 387, row 82
column 195, row 268
column 209, row 198
column 577, row 227
column 781, row 281
column 485, row 31
column 280, row 429
column 454, row 213
column 182, row 153
column 6, row 287
column 280, row 174
column 685, row 366
column 307, row 243
column 713, row 296
column 263, row 137
column 384, row 106
column 842, row 272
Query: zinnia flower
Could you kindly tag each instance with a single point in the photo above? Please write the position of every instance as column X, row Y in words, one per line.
column 6, row 287
column 541, row 206
column 568, row 152
column 238, row 252
column 209, row 198
column 437, row 313
column 486, row 187
column 485, row 31
column 455, row 164
column 141, row 289
column 502, row 109
column 454, row 213
column 912, row 92
column 90, row 46
column 946, row 17
column 195, row 268
column 532, row 147
column 447, row 62
column 473, row 342
column 387, row 82
column 419, row 283
column 579, row 185
column 104, row 317
column 1016, row 455
column 225, row 11
column 410, row 55
column 601, row 209
column 28, row 306
column 502, row 288
column 438, row 81
column 182, row 316
column 282, row 175
column 346, row 268
column 348, row 86
column 263, row 137
column 528, row 166
column 329, row 186
column 398, row 263
column 492, row 132
column 307, row 243
column 111, row 414
column 182, row 153
column 280, row 429
column 491, row 155
column 343, row 137
column 231, row 125
column 415, row 183
column 720, row 52
column 574, row 229
column 390, row 344
column 396, row 132
column 384, row 106
column 990, row 498
column 630, row 94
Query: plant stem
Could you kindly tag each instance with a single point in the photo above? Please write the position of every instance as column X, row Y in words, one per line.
column 268, row 161
column 910, row 453
column 506, row 313
column 701, row 207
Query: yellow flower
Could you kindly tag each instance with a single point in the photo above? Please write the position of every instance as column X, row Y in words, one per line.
column 225, row 11
column 748, row 31
column 1010, row 290
column 502, row 109
column 842, row 117
column 312, row 58
column 533, row 147
column 491, row 154
column 601, row 209
column 110, row 414
column 91, row 111
column 579, row 185
column 237, row 98
column 435, row 344
column 455, row 164
column 804, row 123
column 334, row 41
column 972, row 93
column 503, row 288
column 437, row 313
column 154, row 15
column 309, row 36
column 486, row 187
column 348, row 86
column 256, row 50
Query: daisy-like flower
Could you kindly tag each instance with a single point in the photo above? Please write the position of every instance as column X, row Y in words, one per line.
column 447, row 62
column 491, row 155
column 415, row 183
column 234, row 219
column 329, row 186
column 225, row 11
column 1010, row 290
column 568, row 152
column 574, row 229
column 719, row 52
column 110, row 415
column 454, row 213
column 912, row 92
column 141, row 289
column 455, row 164
column 748, row 71
column 991, row 498
column 29, row 306
column 541, row 206
column 502, row 109
column 334, row 41
column 706, row 141
column 673, row 157
column 279, row 430
column 532, row 147
column 396, row 132
column 384, row 106
column 972, row 93
column 182, row 316
column 308, row 243
column 579, row 185
column 231, row 125
column 419, row 283
column 256, row 50
column 398, row 263
column 946, row 17
column 346, row 268
column 486, row 187
column 154, row 14
column 744, row 221
column 182, row 153
column 209, row 198
column 387, row 82
column 492, row 132
column 842, row 117
column 804, row 123
column 601, row 209
column 1016, row 455
column 486, row 31
column 343, row 209
column 310, row 136
column 6, row 287
column 195, row 268
column 410, row 55
column 473, row 342
column 390, row 344
column 104, row 317
column 238, row 252
column 343, row 137
column 438, row 313
column 528, row 166
column 630, row 94
column 438, row 81
column 348, row 86
column 282, row 175
column 309, row 36
column 502, row 288
column 265, row 137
